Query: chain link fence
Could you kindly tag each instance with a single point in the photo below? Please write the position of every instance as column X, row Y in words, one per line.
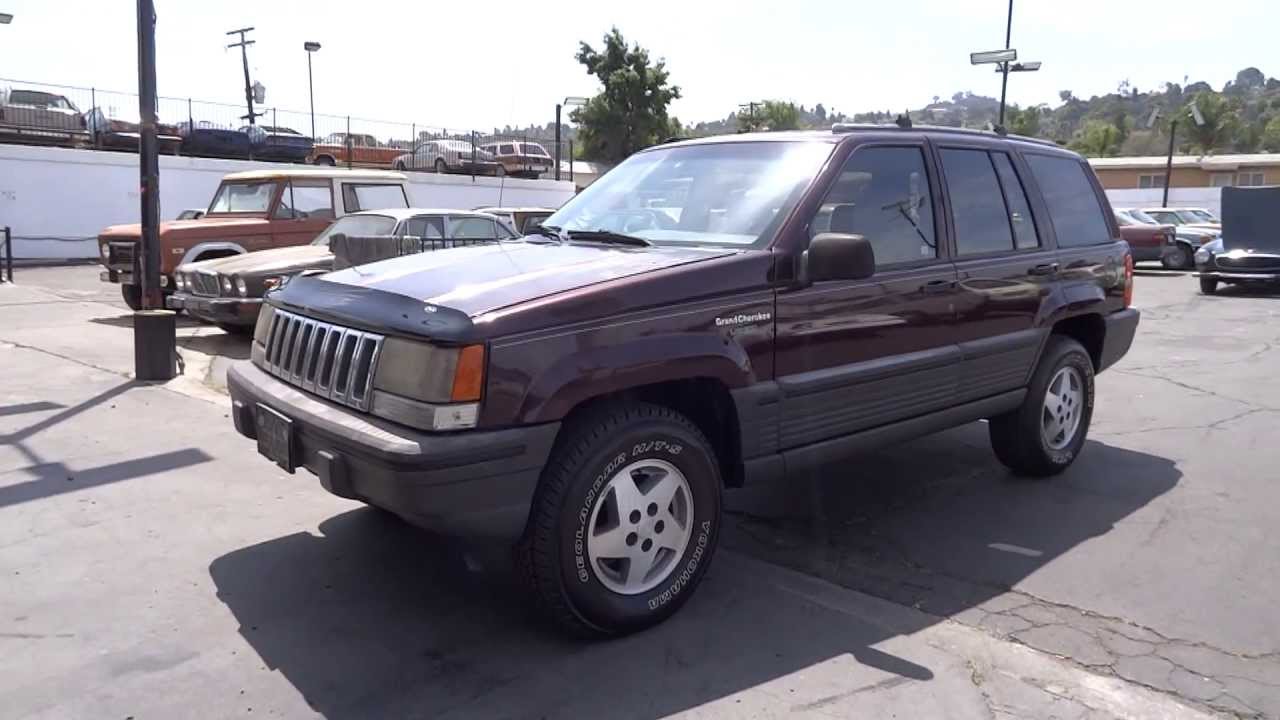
column 69, row 116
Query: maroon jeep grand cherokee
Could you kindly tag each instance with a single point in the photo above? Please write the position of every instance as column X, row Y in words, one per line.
column 709, row 313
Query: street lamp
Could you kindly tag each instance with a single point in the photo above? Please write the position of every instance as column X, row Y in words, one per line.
column 571, row 101
column 1004, row 61
column 311, row 47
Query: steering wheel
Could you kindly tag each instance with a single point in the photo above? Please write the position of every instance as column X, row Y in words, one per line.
column 646, row 219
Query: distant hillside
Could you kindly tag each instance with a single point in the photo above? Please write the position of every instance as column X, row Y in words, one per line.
column 1243, row 117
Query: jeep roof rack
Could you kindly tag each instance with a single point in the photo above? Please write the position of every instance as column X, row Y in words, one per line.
column 899, row 124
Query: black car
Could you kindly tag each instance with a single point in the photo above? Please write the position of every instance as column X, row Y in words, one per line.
column 269, row 142
column 1249, row 249
column 208, row 140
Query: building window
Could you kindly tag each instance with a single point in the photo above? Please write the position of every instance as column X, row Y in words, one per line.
column 1251, row 178
column 1222, row 179
column 1146, row 182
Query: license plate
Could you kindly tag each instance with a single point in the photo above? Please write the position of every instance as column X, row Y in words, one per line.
column 275, row 436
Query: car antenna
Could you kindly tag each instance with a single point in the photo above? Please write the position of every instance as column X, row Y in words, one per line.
column 1000, row 130
column 903, row 121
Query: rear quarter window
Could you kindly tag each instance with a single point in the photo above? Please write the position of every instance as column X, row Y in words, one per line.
column 1074, row 208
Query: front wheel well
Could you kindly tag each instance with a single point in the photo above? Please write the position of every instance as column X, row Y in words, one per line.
column 211, row 254
column 705, row 401
column 1088, row 330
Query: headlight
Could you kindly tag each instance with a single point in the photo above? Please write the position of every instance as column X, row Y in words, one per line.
column 179, row 282
column 226, row 285
column 273, row 283
column 105, row 251
column 242, row 287
column 427, row 386
column 1203, row 256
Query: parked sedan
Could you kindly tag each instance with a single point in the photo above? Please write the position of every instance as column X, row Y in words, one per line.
column 1189, row 217
column 277, row 143
column 1187, row 238
column 209, row 140
column 228, row 291
column 520, row 159
column 1151, row 242
column 445, row 156
column 37, row 116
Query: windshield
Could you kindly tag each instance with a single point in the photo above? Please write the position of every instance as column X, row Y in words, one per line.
column 245, row 197
column 1199, row 216
column 1165, row 217
column 1124, row 220
column 729, row 193
column 1142, row 217
column 358, row 225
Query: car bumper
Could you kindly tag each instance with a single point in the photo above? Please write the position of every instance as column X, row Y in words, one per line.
column 119, row 277
column 1121, row 326
column 1148, row 252
column 475, row 484
column 226, row 311
column 1230, row 277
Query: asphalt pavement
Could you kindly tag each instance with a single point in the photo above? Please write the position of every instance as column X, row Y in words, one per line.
column 154, row 566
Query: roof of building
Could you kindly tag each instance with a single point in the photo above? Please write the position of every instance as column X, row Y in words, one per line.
column 315, row 172
column 1203, row 162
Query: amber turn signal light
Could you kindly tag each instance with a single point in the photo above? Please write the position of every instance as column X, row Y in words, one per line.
column 468, row 377
column 1128, row 285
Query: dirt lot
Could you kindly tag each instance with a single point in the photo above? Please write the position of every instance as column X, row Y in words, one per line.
column 146, row 549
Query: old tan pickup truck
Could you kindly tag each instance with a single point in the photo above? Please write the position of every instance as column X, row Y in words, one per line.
column 250, row 211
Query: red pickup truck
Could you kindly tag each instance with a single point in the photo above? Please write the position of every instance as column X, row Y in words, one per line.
column 353, row 150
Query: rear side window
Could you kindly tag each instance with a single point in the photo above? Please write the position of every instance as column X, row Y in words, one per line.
column 1015, row 197
column 507, row 149
column 1073, row 205
column 425, row 226
column 472, row 228
column 373, row 197
column 977, row 203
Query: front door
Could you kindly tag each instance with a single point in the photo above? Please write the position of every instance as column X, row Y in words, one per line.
column 1005, row 272
column 852, row 355
column 304, row 211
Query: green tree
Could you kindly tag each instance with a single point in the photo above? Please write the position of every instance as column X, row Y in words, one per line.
column 630, row 113
column 780, row 115
column 1097, row 138
column 1025, row 121
column 1221, row 120
column 1271, row 135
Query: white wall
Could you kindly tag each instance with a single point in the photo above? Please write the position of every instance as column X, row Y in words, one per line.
column 57, row 199
column 1208, row 198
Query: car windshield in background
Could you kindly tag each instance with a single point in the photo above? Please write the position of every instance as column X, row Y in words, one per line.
column 708, row 194
column 1142, row 217
column 1200, row 216
column 248, row 197
column 373, row 197
column 359, row 226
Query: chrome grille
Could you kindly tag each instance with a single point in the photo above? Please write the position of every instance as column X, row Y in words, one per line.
column 204, row 283
column 329, row 360
column 1248, row 262
column 121, row 254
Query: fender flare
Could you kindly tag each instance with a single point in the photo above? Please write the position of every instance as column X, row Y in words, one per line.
column 199, row 248
column 595, row 372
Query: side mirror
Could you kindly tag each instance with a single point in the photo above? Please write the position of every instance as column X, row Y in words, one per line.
column 838, row 256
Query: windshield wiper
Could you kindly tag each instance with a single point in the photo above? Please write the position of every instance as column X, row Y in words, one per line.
column 608, row 236
column 550, row 231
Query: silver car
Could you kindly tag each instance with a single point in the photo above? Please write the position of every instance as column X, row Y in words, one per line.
column 445, row 156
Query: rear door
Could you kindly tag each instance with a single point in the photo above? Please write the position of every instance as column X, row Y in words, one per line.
column 854, row 354
column 1005, row 271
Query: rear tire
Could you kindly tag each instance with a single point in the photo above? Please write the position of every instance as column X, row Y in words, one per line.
column 441, row 166
column 1043, row 436
column 132, row 296
column 499, row 171
column 596, row 515
column 1209, row 286
column 325, row 160
column 1178, row 258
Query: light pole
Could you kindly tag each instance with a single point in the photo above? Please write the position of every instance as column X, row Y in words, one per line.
column 1197, row 117
column 1004, row 62
column 311, row 47
column 571, row 101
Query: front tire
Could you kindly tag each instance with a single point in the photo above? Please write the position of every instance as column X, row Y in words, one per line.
column 1208, row 286
column 625, row 520
column 1178, row 258
column 132, row 296
column 1043, row 436
column 441, row 166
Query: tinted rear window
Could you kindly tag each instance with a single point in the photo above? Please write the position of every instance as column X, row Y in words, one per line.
column 1074, row 209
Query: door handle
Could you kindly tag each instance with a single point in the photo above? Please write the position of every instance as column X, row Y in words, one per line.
column 933, row 287
column 1044, row 269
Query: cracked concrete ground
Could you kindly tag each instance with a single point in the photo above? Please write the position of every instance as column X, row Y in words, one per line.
column 155, row 567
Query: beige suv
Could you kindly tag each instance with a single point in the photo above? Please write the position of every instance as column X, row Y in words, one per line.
column 520, row 159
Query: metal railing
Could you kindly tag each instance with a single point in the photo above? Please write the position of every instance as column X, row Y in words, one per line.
column 69, row 116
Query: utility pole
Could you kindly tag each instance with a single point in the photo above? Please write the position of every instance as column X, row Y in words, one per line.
column 751, row 114
column 244, row 57
column 1168, row 163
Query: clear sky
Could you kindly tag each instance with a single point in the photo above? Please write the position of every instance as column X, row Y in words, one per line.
column 478, row 65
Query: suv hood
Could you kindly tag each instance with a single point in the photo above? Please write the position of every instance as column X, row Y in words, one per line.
column 479, row 279
column 204, row 227
column 267, row 262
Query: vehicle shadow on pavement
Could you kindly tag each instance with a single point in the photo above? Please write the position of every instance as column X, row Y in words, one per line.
column 937, row 523
column 126, row 321
column 374, row 618
column 228, row 345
